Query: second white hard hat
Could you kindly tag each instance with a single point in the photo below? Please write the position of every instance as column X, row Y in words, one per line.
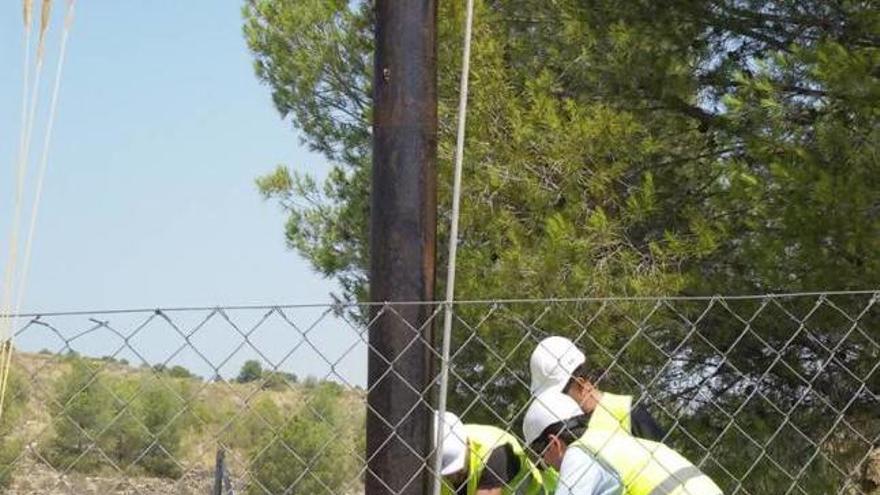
column 547, row 409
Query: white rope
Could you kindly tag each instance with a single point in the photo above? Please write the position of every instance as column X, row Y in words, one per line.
column 28, row 118
column 9, row 273
column 10, row 277
column 453, row 243
column 44, row 157
column 18, row 167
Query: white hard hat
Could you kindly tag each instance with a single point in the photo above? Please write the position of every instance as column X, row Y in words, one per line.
column 547, row 409
column 552, row 363
column 454, row 443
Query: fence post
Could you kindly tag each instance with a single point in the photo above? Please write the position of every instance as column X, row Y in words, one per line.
column 402, row 246
column 218, row 472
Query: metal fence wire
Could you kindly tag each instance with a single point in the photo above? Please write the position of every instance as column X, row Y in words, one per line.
column 767, row 394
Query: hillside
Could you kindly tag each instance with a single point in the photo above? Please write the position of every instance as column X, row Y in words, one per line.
column 89, row 426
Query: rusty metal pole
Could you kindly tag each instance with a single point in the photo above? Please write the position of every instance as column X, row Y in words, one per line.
column 402, row 246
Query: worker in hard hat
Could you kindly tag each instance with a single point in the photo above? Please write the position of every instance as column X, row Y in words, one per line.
column 483, row 460
column 557, row 364
column 605, row 462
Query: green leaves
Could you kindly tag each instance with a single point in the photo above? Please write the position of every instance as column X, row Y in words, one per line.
column 136, row 423
column 315, row 449
column 277, row 184
column 613, row 148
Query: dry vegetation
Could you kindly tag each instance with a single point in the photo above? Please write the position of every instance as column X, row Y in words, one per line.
column 128, row 411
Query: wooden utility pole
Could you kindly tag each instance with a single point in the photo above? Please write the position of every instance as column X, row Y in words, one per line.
column 402, row 246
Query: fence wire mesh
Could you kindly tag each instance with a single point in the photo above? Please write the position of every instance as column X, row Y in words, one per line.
column 767, row 394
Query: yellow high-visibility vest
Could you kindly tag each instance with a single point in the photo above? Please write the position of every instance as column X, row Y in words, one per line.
column 550, row 478
column 613, row 412
column 482, row 440
column 645, row 467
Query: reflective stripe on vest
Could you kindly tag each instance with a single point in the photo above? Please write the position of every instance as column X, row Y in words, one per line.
column 645, row 467
column 677, row 479
column 612, row 412
column 482, row 440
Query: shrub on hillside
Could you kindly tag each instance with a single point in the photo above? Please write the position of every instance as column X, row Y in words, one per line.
column 312, row 452
column 163, row 417
column 178, row 371
column 13, row 407
column 82, row 412
column 150, row 418
column 135, row 423
column 175, row 371
column 251, row 371
column 277, row 380
column 256, row 426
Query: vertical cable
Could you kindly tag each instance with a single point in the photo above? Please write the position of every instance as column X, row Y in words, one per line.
column 453, row 244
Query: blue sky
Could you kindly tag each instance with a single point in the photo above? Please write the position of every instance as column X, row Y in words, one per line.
column 149, row 199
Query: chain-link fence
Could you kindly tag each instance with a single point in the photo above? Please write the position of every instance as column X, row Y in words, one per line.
column 769, row 394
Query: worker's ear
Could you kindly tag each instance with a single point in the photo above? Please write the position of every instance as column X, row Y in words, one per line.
column 554, row 452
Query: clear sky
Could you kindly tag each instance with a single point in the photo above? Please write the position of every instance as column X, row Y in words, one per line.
column 149, row 199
